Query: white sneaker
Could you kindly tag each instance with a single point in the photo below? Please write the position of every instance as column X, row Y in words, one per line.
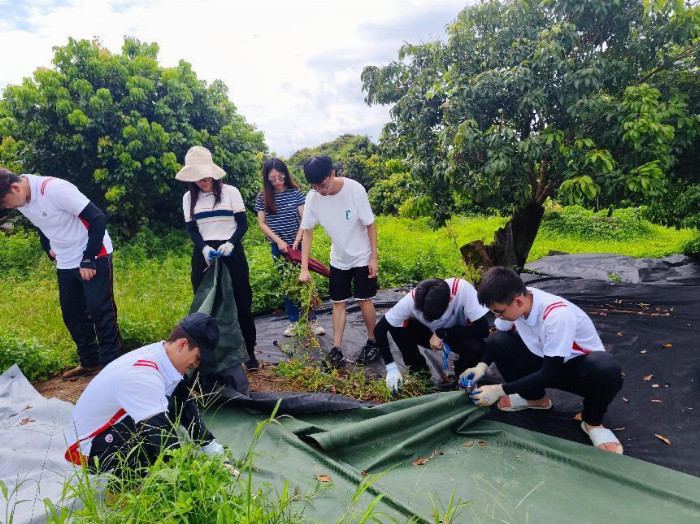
column 289, row 332
column 317, row 329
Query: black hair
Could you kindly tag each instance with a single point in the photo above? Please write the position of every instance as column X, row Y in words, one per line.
column 500, row 285
column 194, row 194
column 7, row 178
column 432, row 298
column 178, row 332
column 317, row 168
column 268, row 188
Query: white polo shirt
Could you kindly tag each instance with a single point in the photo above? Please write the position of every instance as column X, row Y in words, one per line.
column 215, row 221
column 137, row 384
column 345, row 217
column 462, row 309
column 554, row 328
column 54, row 207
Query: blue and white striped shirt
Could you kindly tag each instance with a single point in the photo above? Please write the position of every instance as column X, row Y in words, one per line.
column 284, row 223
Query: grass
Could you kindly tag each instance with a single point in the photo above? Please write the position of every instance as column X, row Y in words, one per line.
column 152, row 287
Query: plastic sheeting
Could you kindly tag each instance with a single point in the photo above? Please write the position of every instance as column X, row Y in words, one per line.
column 508, row 474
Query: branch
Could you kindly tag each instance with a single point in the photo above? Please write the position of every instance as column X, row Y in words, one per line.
column 548, row 190
column 690, row 51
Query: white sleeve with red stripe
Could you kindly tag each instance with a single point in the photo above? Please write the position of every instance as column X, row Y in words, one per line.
column 402, row 311
column 558, row 330
column 142, row 392
column 473, row 311
column 65, row 195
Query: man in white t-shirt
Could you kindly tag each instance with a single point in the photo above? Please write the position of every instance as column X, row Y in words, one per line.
column 72, row 231
column 544, row 341
column 435, row 313
column 341, row 206
column 130, row 411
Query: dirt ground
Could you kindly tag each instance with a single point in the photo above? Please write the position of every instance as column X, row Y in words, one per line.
column 264, row 379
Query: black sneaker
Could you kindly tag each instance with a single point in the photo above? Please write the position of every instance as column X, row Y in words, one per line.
column 252, row 365
column 368, row 354
column 334, row 359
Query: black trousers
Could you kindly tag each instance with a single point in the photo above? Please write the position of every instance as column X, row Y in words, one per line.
column 237, row 265
column 88, row 308
column 128, row 447
column 595, row 376
column 408, row 339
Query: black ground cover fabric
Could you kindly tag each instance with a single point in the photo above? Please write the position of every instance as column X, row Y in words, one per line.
column 652, row 327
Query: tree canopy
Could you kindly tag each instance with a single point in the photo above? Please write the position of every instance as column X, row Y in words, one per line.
column 595, row 99
column 118, row 126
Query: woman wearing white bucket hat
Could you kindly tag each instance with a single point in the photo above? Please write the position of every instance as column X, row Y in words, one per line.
column 215, row 220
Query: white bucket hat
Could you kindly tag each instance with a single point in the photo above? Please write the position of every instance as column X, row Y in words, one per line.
column 199, row 165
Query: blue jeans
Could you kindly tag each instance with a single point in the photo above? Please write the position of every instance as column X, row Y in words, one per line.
column 290, row 307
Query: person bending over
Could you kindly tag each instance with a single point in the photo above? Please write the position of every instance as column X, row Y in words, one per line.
column 544, row 341
column 72, row 231
column 128, row 414
column 436, row 312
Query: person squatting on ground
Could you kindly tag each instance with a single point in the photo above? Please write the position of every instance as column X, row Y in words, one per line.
column 341, row 206
column 280, row 207
column 216, row 221
column 544, row 341
column 72, row 231
column 130, row 411
column 435, row 313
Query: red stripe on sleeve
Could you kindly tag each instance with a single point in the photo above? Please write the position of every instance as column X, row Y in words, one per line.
column 551, row 308
column 146, row 364
column 44, row 183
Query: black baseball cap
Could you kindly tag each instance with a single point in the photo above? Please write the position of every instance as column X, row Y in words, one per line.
column 205, row 331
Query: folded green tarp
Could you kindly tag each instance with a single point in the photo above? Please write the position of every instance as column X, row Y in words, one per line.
column 214, row 296
column 507, row 473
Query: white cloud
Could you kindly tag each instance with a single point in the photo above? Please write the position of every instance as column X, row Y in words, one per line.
column 292, row 68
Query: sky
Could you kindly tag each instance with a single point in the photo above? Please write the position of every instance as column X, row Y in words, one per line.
column 292, row 67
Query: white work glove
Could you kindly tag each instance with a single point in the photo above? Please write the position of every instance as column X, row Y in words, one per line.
column 213, row 448
column 226, row 249
column 394, row 380
column 207, row 253
column 487, row 395
column 476, row 373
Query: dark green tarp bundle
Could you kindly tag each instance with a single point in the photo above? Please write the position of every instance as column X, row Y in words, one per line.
column 214, row 296
column 507, row 473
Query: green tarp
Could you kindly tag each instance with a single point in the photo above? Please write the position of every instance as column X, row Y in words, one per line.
column 507, row 473
column 214, row 297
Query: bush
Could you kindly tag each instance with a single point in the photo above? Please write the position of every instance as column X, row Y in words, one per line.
column 20, row 252
column 692, row 248
column 35, row 361
column 575, row 221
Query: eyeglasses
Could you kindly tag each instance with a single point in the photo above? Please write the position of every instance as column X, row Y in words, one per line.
column 323, row 185
column 276, row 178
column 499, row 312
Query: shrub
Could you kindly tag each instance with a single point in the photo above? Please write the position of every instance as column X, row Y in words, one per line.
column 35, row 361
column 575, row 221
column 20, row 252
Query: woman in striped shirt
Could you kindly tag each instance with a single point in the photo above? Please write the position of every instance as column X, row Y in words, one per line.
column 280, row 206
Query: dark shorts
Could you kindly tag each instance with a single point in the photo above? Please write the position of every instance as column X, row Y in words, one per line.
column 341, row 284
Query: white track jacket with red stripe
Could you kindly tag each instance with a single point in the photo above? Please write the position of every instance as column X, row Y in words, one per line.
column 554, row 328
column 137, row 384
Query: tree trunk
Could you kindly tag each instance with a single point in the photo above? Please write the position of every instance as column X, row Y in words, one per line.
column 512, row 243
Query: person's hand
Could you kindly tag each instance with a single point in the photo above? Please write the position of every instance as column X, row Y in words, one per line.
column 474, row 374
column 372, row 267
column 304, row 276
column 435, row 342
column 52, row 254
column 487, row 395
column 394, row 380
column 296, row 243
column 207, row 252
column 226, row 249
column 88, row 268
column 282, row 245
column 213, row 449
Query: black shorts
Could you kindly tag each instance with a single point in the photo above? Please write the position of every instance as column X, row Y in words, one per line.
column 341, row 284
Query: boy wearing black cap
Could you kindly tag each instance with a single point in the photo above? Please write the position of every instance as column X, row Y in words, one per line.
column 130, row 409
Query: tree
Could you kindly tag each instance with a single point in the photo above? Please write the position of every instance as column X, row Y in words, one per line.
column 354, row 156
column 118, row 126
column 584, row 98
